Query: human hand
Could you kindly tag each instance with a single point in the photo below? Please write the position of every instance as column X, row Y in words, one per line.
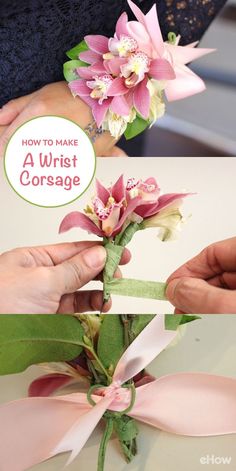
column 53, row 99
column 206, row 284
column 45, row 280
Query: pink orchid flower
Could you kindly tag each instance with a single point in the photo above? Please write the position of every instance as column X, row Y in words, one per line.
column 186, row 82
column 108, row 214
column 120, row 67
column 151, row 201
column 115, row 207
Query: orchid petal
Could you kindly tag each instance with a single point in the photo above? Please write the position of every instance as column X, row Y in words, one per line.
column 111, row 221
column 138, row 32
column 186, row 54
column 79, row 87
column 130, row 208
column 120, row 106
column 99, row 111
column 121, row 25
column 161, row 69
column 186, row 84
column 102, row 193
column 90, row 57
column 97, row 43
column 137, row 12
column 154, row 30
column 85, row 73
column 117, row 87
column 142, row 99
column 77, row 219
column 118, row 189
column 169, row 198
column 48, row 384
column 113, row 65
column 98, row 68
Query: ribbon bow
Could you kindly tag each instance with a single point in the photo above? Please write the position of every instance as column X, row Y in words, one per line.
column 33, row 430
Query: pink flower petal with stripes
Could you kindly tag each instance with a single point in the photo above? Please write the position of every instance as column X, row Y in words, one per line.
column 186, row 84
column 120, row 106
column 90, row 57
column 99, row 111
column 85, row 73
column 77, row 219
column 142, row 99
column 118, row 189
column 114, row 65
column 79, row 87
column 97, row 43
column 117, row 87
column 121, row 25
column 161, row 69
column 102, row 192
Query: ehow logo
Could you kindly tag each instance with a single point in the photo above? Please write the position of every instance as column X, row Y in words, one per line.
column 212, row 459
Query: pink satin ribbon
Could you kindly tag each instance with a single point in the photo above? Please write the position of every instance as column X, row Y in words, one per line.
column 193, row 404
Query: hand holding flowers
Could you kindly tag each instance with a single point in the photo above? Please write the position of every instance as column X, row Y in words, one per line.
column 116, row 214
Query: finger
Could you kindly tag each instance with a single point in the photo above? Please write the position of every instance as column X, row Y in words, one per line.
column 213, row 260
column 14, row 107
column 115, row 151
column 225, row 280
column 72, row 274
column 83, row 301
column 49, row 255
column 194, row 296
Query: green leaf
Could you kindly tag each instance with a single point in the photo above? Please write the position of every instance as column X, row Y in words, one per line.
column 111, row 341
column 30, row 339
column 69, row 69
column 136, row 127
column 75, row 51
column 126, row 428
column 173, row 321
column 127, row 431
column 186, row 318
column 139, row 323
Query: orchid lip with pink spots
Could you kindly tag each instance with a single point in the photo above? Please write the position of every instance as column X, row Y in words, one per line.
column 115, row 81
column 114, row 208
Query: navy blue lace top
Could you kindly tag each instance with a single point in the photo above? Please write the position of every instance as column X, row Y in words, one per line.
column 34, row 34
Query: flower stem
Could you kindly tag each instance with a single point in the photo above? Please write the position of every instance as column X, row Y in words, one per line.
column 109, row 378
column 104, row 442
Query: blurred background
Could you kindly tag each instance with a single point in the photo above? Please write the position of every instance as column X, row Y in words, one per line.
column 203, row 125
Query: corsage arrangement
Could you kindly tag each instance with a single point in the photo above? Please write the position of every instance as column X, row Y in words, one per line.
column 110, row 354
column 124, row 79
column 115, row 214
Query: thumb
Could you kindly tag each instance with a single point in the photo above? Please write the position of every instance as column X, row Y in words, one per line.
column 195, row 296
column 74, row 273
column 10, row 111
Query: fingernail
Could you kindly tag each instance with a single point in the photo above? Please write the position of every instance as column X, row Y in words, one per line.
column 180, row 289
column 95, row 257
column 172, row 288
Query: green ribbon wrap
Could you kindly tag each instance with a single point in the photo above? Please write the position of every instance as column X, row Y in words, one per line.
column 126, row 286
